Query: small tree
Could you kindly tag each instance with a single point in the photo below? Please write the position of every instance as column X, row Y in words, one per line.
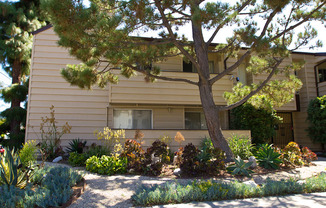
column 317, row 120
column 259, row 121
column 102, row 37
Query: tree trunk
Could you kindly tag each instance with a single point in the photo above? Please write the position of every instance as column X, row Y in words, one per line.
column 205, row 89
column 16, row 70
column 213, row 122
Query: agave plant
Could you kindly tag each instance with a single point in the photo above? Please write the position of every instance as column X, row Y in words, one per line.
column 268, row 158
column 240, row 168
column 11, row 170
column 76, row 145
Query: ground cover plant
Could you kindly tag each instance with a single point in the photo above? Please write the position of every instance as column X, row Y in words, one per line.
column 33, row 186
column 174, row 192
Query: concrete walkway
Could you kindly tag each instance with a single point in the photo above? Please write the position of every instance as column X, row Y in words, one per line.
column 116, row 191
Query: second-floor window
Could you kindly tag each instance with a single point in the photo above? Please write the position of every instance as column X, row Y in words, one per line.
column 188, row 67
column 132, row 119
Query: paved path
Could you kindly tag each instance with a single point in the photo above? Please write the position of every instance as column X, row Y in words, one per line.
column 116, row 191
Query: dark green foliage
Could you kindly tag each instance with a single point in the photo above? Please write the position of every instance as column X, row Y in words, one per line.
column 97, row 151
column 241, row 146
column 77, row 159
column 214, row 191
column 267, row 157
column 317, row 120
column 53, row 188
column 259, row 121
column 18, row 20
column 190, row 163
column 76, row 145
column 240, row 168
column 206, row 161
column 107, row 165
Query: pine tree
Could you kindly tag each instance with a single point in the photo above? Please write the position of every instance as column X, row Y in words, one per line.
column 18, row 21
column 104, row 34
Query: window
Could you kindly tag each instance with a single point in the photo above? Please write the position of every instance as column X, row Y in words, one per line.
column 188, row 67
column 132, row 119
column 322, row 75
column 195, row 120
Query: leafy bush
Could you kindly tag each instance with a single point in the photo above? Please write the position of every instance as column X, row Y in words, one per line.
column 106, row 165
column 210, row 158
column 53, row 189
column 267, row 157
column 308, row 156
column 97, row 151
column 28, row 153
column 11, row 171
column 317, row 120
column 240, row 146
column 291, row 155
column 77, row 159
column 212, row 191
column 240, row 168
column 190, row 164
column 135, row 155
column 259, row 121
column 76, row 145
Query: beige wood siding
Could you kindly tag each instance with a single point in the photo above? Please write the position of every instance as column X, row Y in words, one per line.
column 306, row 93
column 136, row 90
column 84, row 110
column 322, row 88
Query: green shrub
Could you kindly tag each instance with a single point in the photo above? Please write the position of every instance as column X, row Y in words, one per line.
column 11, row 171
column 317, row 120
column 240, row 168
column 259, row 121
column 76, row 145
column 77, row 159
column 240, row 146
column 173, row 192
column 106, row 165
column 97, row 151
column 291, row 155
column 267, row 157
column 28, row 154
column 53, row 188
column 135, row 155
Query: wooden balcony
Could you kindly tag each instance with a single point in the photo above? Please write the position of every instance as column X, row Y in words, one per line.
column 136, row 91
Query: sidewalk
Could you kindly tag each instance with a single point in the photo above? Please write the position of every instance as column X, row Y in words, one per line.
column 315, row 200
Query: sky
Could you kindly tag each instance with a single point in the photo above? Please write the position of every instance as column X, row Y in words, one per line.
column 5, row 80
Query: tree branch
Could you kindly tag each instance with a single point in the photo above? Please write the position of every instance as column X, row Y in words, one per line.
column 168, row 27
column 243, row 100
column 299, row 23
column 230, row 69
column 146, row 73
column 226, row 20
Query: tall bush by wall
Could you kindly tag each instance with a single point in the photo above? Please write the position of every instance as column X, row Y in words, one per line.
column 259, row 121
column 317, row 120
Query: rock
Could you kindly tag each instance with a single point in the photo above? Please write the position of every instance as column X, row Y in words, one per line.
column 155, row 159
column 301, row 182
column 254, row 161
column 57, row 159
column 251, row 183
column 177, row 172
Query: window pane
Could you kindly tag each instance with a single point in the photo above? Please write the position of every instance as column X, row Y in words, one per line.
column 122, row 119
column 203, row 121
column 142, row 119
column 132, row 119
column 192, row 120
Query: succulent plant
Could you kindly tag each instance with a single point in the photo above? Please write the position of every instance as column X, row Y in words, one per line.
column 240, row 168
